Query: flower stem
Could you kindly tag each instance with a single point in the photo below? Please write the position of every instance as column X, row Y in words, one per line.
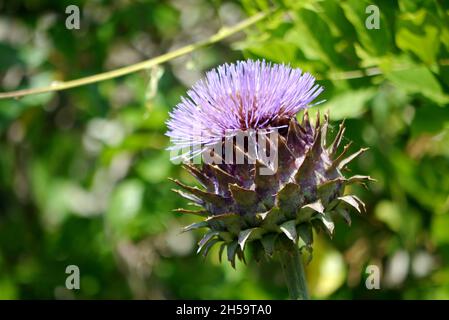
column 294, row 272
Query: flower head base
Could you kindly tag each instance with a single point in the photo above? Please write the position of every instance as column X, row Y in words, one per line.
column 241, row 206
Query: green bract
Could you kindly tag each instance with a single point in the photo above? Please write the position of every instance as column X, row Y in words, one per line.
column 243, row 208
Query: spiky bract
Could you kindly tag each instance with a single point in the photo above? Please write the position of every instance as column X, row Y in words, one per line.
column 243, row 208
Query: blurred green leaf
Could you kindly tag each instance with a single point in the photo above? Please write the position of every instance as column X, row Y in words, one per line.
column 419, row 33
column 125, row 204
column 440, row 225
column 349, row 104
column 390, row 213
column 376, row 41
column 420, row 80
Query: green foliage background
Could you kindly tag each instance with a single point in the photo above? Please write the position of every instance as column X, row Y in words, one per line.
column 83, row 172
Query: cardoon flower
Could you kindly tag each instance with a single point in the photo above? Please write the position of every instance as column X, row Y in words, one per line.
column 271, row 211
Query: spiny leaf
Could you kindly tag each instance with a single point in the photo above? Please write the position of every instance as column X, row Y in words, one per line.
column 205, row 196
column 317, row 146
column 201, row 177
column 306, row 122
column 222, row 177
column 225, row 236
column 197, row 225
column 330, row 183
column 328, row 223
column 317, row 120
column 268, row 242
column 350, row 180
column 207, row 237
column 359, row 179
column 244, row 172
column 354, row 202
column 306, row 169
column 289, row 229
column 335, row 164
column 201, row 213
column 209, row 246
column 271, row 218
column 289, row 198
column 241, row 255
column 245, row 198
column 334, row 146
column 232, row 221
column 257, row 250
column 304, row 214
column 324, row 129
column 305, row 233
column 195, row 204
column 285, row 157
column 243, row 236
column 294, row 141
column 232, row 249
column 190, row 197
column 265, row 184
column 220, row 251
column 317, row 206
column 345, row 162
column 328, row 190
column 248, row 235
column 345, row 215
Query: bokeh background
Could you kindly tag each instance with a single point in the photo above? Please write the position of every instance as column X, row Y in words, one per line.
column 83, row 172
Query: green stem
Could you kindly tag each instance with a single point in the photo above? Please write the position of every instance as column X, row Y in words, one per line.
column 294, row 272
column 222, row 34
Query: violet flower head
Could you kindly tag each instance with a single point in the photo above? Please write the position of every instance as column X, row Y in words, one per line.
column 241, row 96
column 240, row 205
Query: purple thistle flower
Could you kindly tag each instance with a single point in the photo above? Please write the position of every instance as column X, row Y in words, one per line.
column 237, row 97
column 241, row 204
